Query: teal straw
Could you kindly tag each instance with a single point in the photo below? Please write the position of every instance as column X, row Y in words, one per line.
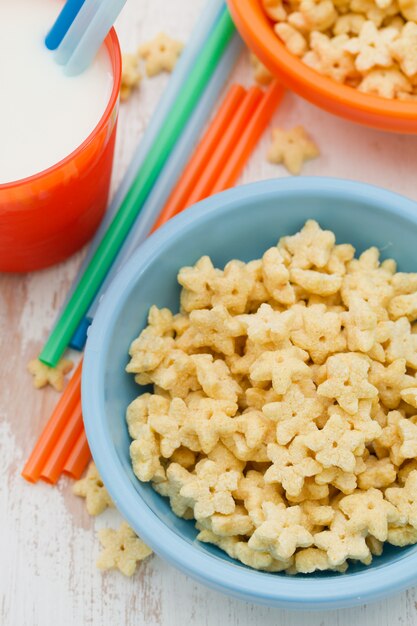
column 141, row 187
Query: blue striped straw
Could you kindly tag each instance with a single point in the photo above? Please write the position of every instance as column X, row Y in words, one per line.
column 166, row 181
column 92, row 38
column 62, row 23
column 76, row 31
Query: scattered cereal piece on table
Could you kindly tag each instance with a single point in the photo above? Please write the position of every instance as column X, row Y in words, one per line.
column 292, row 148
column 123, row 549
column 131, row 75
column 261, row 74
column 44, row 375
column 93, row 490
column 160, row 54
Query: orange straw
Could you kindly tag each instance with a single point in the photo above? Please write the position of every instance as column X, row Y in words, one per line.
column 249, row 138
column 78, row 458
column 67, row 450
column 56, row 461
column 53, row 429
column 178, row 198
column 226, row 145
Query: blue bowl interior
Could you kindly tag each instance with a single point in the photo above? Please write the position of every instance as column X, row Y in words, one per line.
column 242, row 226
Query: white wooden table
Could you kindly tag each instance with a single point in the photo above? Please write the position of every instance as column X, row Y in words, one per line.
column 48, row 543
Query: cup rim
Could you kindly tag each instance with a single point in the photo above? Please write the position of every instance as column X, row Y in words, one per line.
column 255, row 28
column 259, row 587
column 113, row 48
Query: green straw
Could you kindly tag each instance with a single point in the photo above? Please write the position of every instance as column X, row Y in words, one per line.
column 119, row 228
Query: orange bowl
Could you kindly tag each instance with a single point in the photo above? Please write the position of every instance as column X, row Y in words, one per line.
column 257, row 31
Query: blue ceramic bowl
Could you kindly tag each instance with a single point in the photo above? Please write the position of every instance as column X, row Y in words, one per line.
column 240, row 224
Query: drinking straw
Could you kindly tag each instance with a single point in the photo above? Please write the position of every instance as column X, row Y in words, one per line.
column 78, row 457
column 76, row 30
column 230, row 138
column 200, row 32
column 64, row 20
column 168, row 178
column 141, row 187
column 249, row 138
column 94, row 35
column 53, row 429
column 194, row 169
column 56, row 460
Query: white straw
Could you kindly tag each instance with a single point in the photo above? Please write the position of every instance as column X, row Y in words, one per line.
column 76, row 31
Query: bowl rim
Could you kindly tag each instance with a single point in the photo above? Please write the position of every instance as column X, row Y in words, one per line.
column 255, row 28
column 248, row 584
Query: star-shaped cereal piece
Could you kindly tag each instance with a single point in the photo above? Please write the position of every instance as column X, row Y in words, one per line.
column 44, row 375
column 316, row 282
column 320, row 334
column 209, row 490
column 215, row 378
column 371, row 47
column 292, row 148
column 276, row 277
column 401, row 342
column 261, row 74
column 378, row 473
column 368, row 511
column 232, row 287
column 268, row 325
column 241, row 551
column 254, row 491
column 390, row 381
column 154, row 342
column 274, row 9
column 399, row 437
column 336, row 445
column 290, row 466
column 402, row 535
column 293, row 39
column 310, row 491
column 160, row 54
column 237, row 523
column 404, row 49
column 370, row 279
column 349, row 24
column 347, row 381
column 404, row 305
column 208, row 422
column 123, row 549
column 328, row 56
column 318, row 14
column 131, row 76
column 341, row 543
column 282, row 532
column 282, row 367
column 145, row 454
column 360, row 323
column 212, row 328
column 294, row 414
column 405, row 498
column 176, row 374
column 170, row 486
column 168, row 424
column 346, row 482
column 93, row 490
column 312, row 560
column 310, row 247
column 408, row 9
column 387, row 83
column 196, row 280
column 362, row 421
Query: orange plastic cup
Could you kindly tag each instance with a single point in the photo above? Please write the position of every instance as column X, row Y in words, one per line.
column 347, row 102
column 47, row 217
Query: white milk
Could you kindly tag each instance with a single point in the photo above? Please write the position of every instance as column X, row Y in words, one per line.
column 44, row 115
